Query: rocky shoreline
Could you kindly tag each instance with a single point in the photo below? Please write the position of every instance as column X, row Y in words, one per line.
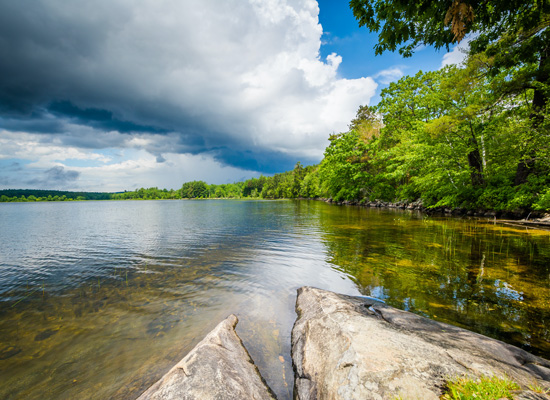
column 530, row 218
column 346, row 347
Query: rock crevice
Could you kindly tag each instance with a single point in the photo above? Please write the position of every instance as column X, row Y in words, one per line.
column 219, row 367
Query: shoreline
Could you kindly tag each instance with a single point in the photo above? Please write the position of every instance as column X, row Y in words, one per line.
column 531, row 218
column 525, row 218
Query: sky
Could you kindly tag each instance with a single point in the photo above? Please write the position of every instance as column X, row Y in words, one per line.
column 114, row 95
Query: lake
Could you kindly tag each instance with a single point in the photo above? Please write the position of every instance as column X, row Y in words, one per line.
column 99, row 299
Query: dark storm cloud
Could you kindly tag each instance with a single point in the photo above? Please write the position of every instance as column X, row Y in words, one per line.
column 46, row 57
column 39, row 45
column 263, row 161
column 99, row 119
column 33, row 123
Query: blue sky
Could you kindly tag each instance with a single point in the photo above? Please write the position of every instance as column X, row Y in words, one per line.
column 342, row 35
column 113, row 95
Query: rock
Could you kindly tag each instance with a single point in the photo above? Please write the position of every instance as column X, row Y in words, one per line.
column 347, row 347
column 219, row 367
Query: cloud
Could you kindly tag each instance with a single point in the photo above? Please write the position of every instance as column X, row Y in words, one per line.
column 43, row 151
column 62, row 166
column 97, row 118
column 143, row 170
column 58, row 174
column 56, row 177
column 14, row 166
column 389, row 75
column 458, row 54
column 239, row 82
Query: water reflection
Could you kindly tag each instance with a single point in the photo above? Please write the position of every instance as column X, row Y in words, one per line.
column 476, row 274
column 99, row 299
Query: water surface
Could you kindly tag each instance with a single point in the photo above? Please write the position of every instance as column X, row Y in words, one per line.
column 99, row 299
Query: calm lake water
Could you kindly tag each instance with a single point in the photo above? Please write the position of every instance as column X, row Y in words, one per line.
column 99, row 299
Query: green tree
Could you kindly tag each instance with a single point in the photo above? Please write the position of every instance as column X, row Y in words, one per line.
column 443, row 22
column 450, row 138
column 253, row 187
column 194, row 189
column 342, row 172
column 298, row 175
column 310, row 186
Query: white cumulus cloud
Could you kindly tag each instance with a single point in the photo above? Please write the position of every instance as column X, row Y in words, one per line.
column 389, row 75
column 458, row 54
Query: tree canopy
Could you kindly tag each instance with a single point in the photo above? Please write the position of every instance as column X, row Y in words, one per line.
column 408, row 24
column 513, row 35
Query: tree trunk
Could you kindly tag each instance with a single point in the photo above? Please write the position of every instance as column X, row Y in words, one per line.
column 475, row 163
column 524, row 169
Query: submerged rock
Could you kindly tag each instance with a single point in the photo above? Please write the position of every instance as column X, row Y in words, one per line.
column 9, row 352
column 219, row 367
column 45, row 334
column 347, row 347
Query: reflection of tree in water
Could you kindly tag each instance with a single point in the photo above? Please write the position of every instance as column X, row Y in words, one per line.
column 492, row 280
column 475, row 267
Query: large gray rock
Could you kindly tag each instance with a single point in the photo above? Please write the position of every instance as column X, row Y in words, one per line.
column 347, row 347
column 219, row 367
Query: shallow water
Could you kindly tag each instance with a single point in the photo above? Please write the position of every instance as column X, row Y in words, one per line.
column 99, row 299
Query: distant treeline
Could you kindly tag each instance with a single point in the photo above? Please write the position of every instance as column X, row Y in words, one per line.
column 300, row 182
column 7, row 195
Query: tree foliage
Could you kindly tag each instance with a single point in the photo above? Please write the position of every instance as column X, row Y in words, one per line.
column 514, row 36
column 30, row 195
column 406, row 25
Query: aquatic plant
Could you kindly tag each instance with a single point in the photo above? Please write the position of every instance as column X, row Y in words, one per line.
column 488, row 388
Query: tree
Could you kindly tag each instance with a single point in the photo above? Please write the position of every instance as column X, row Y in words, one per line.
column 515, row 34
column 309, row 187
column 343, row 172
column 253, row 187
column 297, row 177
column 194, row 189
